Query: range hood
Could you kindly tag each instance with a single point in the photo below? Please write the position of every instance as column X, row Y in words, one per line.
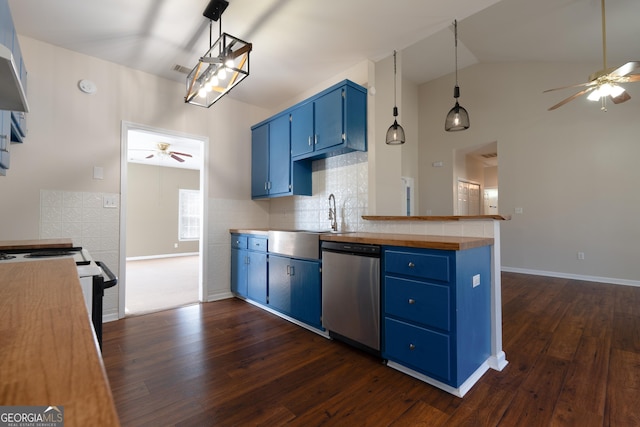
column 12, row 95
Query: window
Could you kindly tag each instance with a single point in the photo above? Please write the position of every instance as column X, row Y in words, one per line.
column 189, row 215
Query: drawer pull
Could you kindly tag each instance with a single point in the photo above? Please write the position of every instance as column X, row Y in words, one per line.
column 412, row 347
column 411, row 301
column 411, row 265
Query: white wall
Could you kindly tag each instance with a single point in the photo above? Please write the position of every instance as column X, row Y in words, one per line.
column 71, row 132
column 573, row 170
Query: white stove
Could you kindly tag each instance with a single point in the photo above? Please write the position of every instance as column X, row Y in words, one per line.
column 94, row 276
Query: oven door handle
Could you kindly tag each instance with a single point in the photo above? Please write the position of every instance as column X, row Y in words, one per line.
column 113, row 279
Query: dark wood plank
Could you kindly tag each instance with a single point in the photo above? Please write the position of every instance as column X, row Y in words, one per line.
column 572, row 346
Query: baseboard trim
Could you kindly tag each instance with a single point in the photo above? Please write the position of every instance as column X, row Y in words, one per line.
column 606, row 280
column 142, row 258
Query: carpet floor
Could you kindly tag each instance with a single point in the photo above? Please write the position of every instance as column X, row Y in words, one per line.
column 160, row 284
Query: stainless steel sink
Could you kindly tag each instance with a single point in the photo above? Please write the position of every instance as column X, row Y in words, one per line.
column 298, row 243
column 295, row 243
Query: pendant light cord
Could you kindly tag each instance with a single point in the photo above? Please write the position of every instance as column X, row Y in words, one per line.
column 395, row 84
column 455, row 32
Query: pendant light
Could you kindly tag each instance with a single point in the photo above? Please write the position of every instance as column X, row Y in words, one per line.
column 395, row 134
column 458, row 118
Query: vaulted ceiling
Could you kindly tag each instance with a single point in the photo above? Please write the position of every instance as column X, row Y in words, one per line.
column 300, row 43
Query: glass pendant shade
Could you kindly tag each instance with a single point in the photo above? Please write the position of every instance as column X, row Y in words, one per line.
column 457, row 119
column 395, row 134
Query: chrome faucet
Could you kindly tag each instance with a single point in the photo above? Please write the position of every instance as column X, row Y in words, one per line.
column 333, row 217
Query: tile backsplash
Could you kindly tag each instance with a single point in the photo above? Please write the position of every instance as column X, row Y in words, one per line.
column 344, row 176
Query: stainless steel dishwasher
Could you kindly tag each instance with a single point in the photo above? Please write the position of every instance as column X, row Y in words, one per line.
column 351, row 293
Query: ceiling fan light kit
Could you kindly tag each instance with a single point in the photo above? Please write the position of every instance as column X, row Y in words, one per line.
column 604, row 85
column 222, row 67
column 395, row 133
column 458, row 118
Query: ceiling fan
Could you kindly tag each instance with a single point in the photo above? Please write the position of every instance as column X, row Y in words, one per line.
column 604, row 85
column 163, row 151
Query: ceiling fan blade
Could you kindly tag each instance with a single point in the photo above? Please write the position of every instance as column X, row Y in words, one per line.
column 181, row 154
column 628, row 68
column 571, row 98
column 623, row 97
column 567, row 87
column 149, row 156
column 173, row 156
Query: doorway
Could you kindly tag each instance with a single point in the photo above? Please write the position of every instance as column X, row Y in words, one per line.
column 163, row 219
column 476, row 187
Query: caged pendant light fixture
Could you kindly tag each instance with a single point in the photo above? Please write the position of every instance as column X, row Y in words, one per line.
column 222, row 67
column 458, row 118
column 395, row 134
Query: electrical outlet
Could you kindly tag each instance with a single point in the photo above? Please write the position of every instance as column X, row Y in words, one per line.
column 581, row 256
column 476, row 280
column 518, row 211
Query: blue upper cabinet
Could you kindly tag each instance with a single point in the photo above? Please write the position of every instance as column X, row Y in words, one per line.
column 272, row 172
column 332, row 122
column 17, row 129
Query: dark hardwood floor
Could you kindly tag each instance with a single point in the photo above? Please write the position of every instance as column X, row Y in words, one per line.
column 573, row 348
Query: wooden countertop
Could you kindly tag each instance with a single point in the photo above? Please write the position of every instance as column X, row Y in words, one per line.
column 436, row 218
column 35, row 244
column 454, row 243
column 48, row 352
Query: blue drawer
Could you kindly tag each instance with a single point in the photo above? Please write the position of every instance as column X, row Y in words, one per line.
column 238, row 242
column 419, row 349
column 258, row 244
column 419, row 302
column 423, row 265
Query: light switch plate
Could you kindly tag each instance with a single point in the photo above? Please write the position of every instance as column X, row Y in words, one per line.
column 110, row 201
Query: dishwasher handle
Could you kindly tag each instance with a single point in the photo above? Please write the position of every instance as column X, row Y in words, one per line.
column 360, row 249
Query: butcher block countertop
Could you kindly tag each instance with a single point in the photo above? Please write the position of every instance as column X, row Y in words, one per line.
column 48, row 352
column 35, row 244
column 453, row 243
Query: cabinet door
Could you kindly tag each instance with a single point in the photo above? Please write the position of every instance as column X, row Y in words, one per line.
column 279, row 285
column 279, row 155
column 302, row 130
column 257, row 276
column 305, row 291
column 259, row 160
column 328, row 116
column 239, row 272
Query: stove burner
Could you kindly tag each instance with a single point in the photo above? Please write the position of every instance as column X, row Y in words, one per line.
column 6, row 256
column 45, row 254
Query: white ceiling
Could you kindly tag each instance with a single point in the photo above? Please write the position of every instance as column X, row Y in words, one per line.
column 300, row 43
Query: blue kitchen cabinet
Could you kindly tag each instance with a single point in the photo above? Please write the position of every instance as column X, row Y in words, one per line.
column 257, row 269
column 330, row 123
column 272, row 173
column 249, row 267
column 294, row 288
column 437, row 311
column 239, row 265
column 17, row 127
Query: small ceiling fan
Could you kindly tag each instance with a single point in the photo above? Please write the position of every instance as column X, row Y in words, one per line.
column 604, row 85
column 163, row 150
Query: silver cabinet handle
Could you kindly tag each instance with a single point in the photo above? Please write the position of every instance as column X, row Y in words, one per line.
column 315, row 139
column 412, row 347
column 412, row 301
column 293, row 271
column 411, row 265
column 309, row 140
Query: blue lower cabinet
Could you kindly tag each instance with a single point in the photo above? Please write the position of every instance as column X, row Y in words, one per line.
column 437, row 311
column 294, row 288
column 249, row 267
